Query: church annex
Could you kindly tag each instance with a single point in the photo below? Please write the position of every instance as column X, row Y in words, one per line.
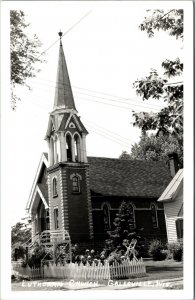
column 81, row 195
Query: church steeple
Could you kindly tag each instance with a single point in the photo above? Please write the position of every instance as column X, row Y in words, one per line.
column 63, row 92
column 66, row 134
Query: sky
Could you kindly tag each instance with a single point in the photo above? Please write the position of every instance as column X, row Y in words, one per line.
column 105, row 53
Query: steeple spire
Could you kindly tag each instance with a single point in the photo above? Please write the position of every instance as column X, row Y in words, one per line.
column 63, row 92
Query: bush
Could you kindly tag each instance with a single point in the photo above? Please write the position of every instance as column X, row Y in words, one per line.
column 176, row 250
column 38, row 253
column 157, row 250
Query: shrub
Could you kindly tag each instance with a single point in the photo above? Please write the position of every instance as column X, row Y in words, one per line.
column 157, row 250
column 176, row 250
column 38, row 253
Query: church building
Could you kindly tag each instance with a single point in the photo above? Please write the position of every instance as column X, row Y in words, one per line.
column 81, row 195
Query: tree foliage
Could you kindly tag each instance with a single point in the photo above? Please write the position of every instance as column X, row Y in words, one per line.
column 123, row 229
column 170, row 21
column 24, row 53
column 152, row 147
column 169, row 120
column 20, row 235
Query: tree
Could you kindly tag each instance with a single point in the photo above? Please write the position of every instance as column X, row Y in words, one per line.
column 169, row 120
column 24, row 53
column 20, row 235
column 152, row 147
column 123, row 229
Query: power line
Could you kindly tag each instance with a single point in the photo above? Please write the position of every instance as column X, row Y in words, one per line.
column 102, row 131
column 128, row 105
column 113, row 105
column 118, row 135
column 65, row 33
column 118, row 139
column 109, row 138
column 118, row 97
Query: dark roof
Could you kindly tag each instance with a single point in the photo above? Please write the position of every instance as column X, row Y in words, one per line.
column 128, row 178
column 65, row 119
column 44, row 190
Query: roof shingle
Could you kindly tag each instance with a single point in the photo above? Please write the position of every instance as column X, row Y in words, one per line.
column 132, row 178
column 128, row 178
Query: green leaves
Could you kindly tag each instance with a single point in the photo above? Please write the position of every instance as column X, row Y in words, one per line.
column 24, row 53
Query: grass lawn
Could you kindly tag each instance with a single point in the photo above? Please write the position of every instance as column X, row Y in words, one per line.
column 156, row 270
column 165, row 269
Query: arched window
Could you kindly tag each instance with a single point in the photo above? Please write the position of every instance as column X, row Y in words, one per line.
column 154, row 216
column 132, row 216
column 106, row 216
column 75, row 184
column 77, row 147
column 69, row 147
column 55, row 193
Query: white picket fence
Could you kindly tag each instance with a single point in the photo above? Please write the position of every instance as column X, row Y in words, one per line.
column 27, row 271
column 78, row 271
column 126, row 269
column 133, row 268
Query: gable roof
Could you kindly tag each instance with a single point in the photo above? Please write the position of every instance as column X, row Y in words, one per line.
column 131, row 178
column 43, row 161
column 171, row 190
column 117, row 177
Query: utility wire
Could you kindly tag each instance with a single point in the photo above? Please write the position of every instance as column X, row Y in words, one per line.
column 65, row 33
column 118, row 139
column 109, row 138
column 128, row 105
column 102, row 131
column 118, row 97
column 113, row 133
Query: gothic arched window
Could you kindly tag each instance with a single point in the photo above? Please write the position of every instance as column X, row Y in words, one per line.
column 132, row 216
column 106, row 216
column 77, row 147
column 55, row 193
column 154, row 216
column 69, row 147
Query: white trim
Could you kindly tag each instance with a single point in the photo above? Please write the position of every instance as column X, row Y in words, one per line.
column 56, row 178
column 100, row 209
column 77, row 123
column 49, row 126
column 37, row 190
column 42, row 161
column 68, row 132
column 105, row 202
column 173, row 187
column 67, row 122
column 75, row 174
column 71, row 125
